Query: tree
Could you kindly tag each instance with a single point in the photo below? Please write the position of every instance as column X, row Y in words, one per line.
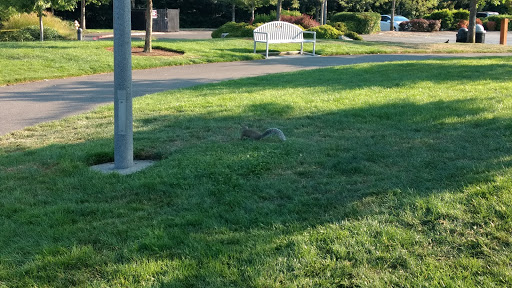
column 39, row 7
column 473, row 6
column 149, row 27
column 278, row 9
column 83, row 4
column 233, row 4
column 253, row 4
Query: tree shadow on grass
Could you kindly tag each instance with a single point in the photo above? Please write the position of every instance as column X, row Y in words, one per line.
column 215, row 207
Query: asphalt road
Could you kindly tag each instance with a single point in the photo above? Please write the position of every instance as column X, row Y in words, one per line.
column 24, row 105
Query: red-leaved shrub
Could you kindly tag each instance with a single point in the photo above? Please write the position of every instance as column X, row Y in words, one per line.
column 420, row 25
column 303, row 20
column 491, row 25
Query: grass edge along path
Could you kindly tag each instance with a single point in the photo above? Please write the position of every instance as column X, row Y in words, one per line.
column 393, row 174
column 31, row 61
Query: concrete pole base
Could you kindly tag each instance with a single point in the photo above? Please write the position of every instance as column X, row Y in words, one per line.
column 138, row 165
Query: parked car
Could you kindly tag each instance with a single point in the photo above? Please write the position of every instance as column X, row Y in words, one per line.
column 485, row 14
column 385, row 21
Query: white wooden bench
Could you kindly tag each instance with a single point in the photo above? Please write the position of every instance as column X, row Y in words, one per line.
column 282, row 32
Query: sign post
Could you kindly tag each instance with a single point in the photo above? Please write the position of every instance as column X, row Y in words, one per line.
column 123, row 116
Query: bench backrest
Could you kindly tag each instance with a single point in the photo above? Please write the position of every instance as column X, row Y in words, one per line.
column 279, row 30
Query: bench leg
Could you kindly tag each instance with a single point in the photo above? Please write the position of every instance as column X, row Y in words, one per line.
column 266, row 53
column 301, row 48
column 314, row 46
column 254, row 46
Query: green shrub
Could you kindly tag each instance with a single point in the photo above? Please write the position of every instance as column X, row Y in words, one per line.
column 449, row 18
column 264, row 18
column 290, row 13
column 30, row 34
column 361, row 23
column 340, row 26
column 326, row 32
column 353, row 35
column 234, row 30
column 20, row 21
column 5, row 14
column 460, row 14
column 446, row 17
column 497, row 19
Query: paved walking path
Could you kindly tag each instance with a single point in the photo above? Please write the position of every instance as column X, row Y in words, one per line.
column 28, row 104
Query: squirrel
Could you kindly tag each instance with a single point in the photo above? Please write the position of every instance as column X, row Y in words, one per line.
column 255, row 135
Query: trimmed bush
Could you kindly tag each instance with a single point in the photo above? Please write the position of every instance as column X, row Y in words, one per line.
column 30, row 34
column 460, row 14
column 449, row 18
column 497, row 20
column 234, row 30
column 361, row 23
column 340, row 26
column 446, row 17
column 420, row 25
column 326, row 32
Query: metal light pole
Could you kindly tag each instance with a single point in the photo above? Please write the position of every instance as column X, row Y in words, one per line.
column 123, row 116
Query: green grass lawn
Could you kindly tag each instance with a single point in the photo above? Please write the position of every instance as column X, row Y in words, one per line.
column 393, row 174
column 29, row 61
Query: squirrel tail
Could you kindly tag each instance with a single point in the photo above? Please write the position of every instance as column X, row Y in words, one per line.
column 272, row 131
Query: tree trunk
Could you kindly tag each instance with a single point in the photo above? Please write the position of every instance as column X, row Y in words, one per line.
column 278, row 10
column 82, row 15
column 472, row 21
column 392, row 21
column 149, row 27
column 233, row 8
column 322, row 15
column 41, row 28
column 324, row 11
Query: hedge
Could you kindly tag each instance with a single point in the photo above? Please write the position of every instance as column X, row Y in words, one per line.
column 30, row 33
column 361, row 23
column 449, row 18
column 497, row 19
column 326, row 32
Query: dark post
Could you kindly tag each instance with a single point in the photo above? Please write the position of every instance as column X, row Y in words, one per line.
column 123, row 118
column 79, row 35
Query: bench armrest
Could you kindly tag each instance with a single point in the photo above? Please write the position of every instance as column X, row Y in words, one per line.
column 257, row 32
column 311, row 32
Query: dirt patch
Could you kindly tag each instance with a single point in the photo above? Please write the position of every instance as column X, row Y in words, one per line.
column 139, row 51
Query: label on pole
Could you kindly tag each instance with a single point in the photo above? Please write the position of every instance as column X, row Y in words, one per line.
column 154, row 14
column 121, row 124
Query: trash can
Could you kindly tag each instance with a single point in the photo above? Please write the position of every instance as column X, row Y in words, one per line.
column 462, row 35
column 479, row 34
